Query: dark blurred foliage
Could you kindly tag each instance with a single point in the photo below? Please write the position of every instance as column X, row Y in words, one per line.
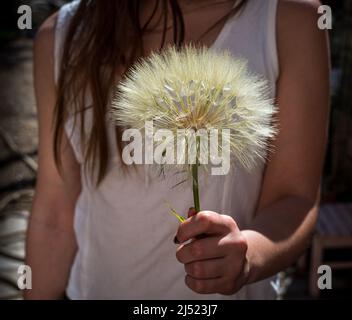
column 337, row 182
column 8, row 20
column 41, row 9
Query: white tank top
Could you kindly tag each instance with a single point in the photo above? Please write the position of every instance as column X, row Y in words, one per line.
column 123, row 228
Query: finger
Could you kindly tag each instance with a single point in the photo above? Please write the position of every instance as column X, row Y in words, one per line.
column 206, row 286
column 200, row 249
column 191, row 212
column 206, row 269
column 204, row 222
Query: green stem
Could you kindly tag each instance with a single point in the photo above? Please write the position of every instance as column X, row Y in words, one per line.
column 195, row 178
column 195, row 187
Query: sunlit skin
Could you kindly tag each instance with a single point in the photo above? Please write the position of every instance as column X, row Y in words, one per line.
column 228, row 257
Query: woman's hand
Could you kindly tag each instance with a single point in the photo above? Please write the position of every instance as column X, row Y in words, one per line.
column 215, row 259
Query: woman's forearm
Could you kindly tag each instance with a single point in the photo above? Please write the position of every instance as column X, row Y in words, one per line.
column 278, row 236
column 50, row 252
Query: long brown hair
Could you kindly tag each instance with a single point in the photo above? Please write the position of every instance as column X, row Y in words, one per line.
column 95, row 47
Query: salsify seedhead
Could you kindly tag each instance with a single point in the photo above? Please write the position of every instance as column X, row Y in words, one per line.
column 199, row 89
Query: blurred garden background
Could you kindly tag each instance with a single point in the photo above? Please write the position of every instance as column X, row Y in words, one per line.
column 18, row 157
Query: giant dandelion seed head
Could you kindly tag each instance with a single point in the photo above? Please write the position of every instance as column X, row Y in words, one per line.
column 199, row 88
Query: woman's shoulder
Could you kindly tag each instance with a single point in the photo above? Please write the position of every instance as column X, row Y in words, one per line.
column 297, row 26
column 298, row 9
column 50, row 36
column 301, row 3
column 58, row 19
column 44, row 39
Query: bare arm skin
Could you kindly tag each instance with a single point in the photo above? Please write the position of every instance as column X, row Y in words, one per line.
column 51, row 244
column 287, row 210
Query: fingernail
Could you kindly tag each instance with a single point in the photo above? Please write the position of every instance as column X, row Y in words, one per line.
column 191, row 212
column 176, row 240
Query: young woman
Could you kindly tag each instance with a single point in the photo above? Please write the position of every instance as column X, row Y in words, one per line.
column 96, row 232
